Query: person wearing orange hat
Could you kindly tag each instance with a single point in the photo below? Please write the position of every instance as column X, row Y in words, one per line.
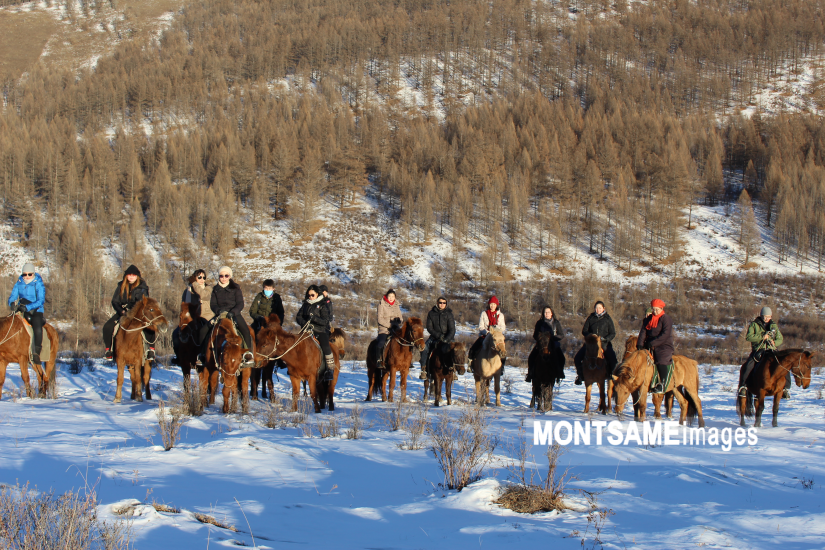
column 656, row 335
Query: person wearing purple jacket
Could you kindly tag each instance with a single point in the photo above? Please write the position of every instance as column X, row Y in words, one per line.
column 656, row 335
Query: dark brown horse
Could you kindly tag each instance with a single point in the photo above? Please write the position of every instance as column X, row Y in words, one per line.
column 543, row 364
column 188, row 326
column 14, row 348
column 224, row 357
column 441, row 368
column 302, row 357
column 398, row 359
column 768, row 378
column 129, row 340
column 594, row 371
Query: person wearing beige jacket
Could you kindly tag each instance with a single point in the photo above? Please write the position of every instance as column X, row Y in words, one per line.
column 389, row 315
column 490, row 318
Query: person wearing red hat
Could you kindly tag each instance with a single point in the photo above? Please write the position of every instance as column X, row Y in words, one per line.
column 656, row 335
column 490, row 318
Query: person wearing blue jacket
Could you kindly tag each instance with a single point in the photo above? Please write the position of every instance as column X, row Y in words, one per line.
column 28, row 297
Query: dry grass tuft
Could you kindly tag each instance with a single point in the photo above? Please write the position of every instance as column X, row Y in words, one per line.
column 212, row 520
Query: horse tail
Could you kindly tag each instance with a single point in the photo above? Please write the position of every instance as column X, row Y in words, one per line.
column 694, row 403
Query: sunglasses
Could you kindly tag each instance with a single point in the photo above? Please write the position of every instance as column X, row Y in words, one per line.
column 201, row 277
column 28, row 274
column 442, row 303
column 312, row 295
column 223, row 276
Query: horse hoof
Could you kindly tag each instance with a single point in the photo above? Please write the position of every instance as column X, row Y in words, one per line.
column 117, row 400
column 775, row 424
column 139, row 398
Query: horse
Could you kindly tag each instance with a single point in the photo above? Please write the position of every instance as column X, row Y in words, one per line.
column 487, row 365
column 768, row 378
column 398, row 358
column 14, row 348
column 594, row 371
column 630, row 346
column 224, row 356
column 634, row 375
column 441, row 367
column 187, row 336
column 302, row 357
column 543, row 364
column 265, row 367
column 146, row 314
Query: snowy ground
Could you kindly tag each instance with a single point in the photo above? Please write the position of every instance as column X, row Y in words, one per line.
column 298, row 491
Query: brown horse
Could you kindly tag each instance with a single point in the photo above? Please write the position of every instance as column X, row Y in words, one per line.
column 634, row 375
column 14, row 348
column 224, row 357
column 145, row 315
column 543, row 363
column 398, row 359
column 594, row 371
column 630, row 346
column 265, row 366
column 303, row 358
column 768, row 378
column 188, row 348
column 487, row 364
column 441, row 368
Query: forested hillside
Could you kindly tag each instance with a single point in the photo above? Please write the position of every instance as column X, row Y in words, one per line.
column 515, row 133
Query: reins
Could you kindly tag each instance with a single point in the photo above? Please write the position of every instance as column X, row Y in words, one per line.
column 408, row 343
column 6, row 338
column 304, row 334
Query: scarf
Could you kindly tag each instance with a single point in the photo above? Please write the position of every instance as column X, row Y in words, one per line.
column 654, row 321
column 385, row 299
column 316, row 300
column 550, row 323
column 492, row 317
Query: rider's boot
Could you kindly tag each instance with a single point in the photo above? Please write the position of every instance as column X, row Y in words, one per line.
column 248, row 359
column 786, row 394
column 36, row 356
column 529, row 377
column 150, row 353
column 108, row 354
column 329, row 373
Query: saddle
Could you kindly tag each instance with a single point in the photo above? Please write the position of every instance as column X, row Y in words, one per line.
column 225, row 315
column 45, row 349
column 655, row 379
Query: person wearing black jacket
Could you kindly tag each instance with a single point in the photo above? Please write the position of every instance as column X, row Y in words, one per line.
column 600, row 324
column 328, row 302
column 131, row 289
column 548, row 322
column 315, row 315
column 227, row 297
column 656, row 335
column 441, row 327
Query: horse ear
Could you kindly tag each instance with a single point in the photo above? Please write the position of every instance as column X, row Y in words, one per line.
column 614, row 378
column 810, row 354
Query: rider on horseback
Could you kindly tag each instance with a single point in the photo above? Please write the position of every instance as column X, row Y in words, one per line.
column 548, row 322
column 441, row 327
column 131, row 289
column 763, row 335
column 328, row 302
column 600, row 324
column 227, row 297
column 656, row 335
column 27, row 297
column 490, row 318
column 266, row 302
column 389, row 319
column 314, row 313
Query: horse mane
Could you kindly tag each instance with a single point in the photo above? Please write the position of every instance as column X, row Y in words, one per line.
column 781, row 354
column 130, row 315
column 231, row 335
column 543, row 342
column 624, row 372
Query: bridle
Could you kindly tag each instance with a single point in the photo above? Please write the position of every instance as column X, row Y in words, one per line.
column 304, row 334
column 412, row 341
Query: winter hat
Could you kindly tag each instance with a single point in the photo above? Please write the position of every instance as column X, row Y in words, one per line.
column 657, row 303
column 323, row 288
column 132, row 270
column 765, row 311
column 225, row 269
column 390, row 291
column 28, row 267
column 493, row 300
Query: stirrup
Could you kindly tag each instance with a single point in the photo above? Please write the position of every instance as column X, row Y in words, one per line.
column 36, row 358
column 786, row 394
column 658, row 389
column 150, row 354
column 108, row 354
column 200, row 360
column 578, row 381
column 248, row 358
column 743, row 391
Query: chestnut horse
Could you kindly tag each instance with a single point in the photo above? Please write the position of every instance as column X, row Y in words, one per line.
column 594, row 371
column 630, row 346
column 634, row 375
column 145, row 315
column 302, row 357
column 265, row 366
column 768, row 378
column 398, row 359
column 441, row 367
column 14, row 348
column 486, row 365
column 543, row 364
column 223, row 360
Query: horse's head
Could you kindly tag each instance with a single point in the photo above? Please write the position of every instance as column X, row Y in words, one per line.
column 148, row 311
column 592, row 346
column 630, row 346
column 458, row 352
column 802, row 373
column 625, row 377
column 228, row 352
column 273, row 319
column 495, row 340
column 187, row 314
column 414, row 332
column 338, row 338
column 266, row 339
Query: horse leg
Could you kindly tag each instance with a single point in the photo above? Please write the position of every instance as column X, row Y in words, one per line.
column 402, row 384
column 147, row 377
column 760, row 406
column 23, row 361
column 669, row 405
column 498, row 389
column 313, row 392
column 227, row 395
column 41, row 381
column 657, row 403
column 253, row 384
column 741, row 407
column 384, row 375
column 437, row 390
column 448, row 389
column 776, row 399
column 587, row 389
column 426, row 389
column 2, row 376
column 296, row 392
column 683, row 407
column 330, row 394
column 269, row 383
column 391, row 383
column 121, row 367
column 602, row 406
column 245, row 375
column 642, row 403
column 479, row 395
column 213, row 385
column 371, row 380
column 609, row 395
